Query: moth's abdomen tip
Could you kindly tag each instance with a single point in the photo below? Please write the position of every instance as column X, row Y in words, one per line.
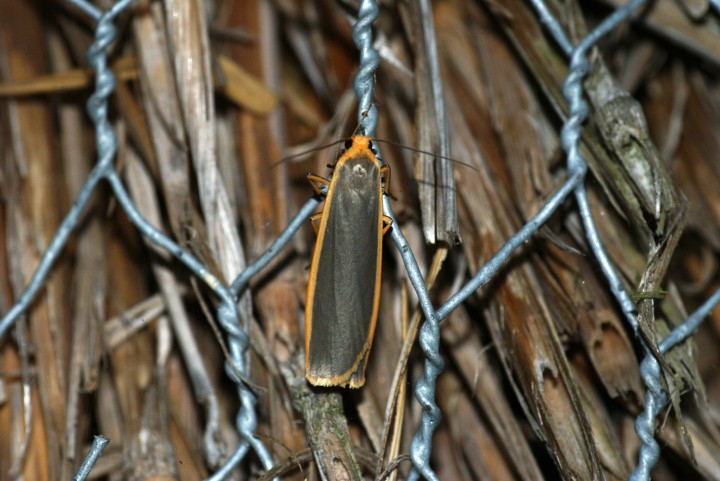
column 352, row 383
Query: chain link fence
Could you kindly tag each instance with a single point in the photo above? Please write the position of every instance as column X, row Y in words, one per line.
column 231, row 317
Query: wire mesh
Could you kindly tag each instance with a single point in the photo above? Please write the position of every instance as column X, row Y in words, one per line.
column 97, row 107
column 98, row 446
column 429, row 340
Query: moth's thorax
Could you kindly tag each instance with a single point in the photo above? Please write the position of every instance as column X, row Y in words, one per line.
column 359, row 146
column 357, row 173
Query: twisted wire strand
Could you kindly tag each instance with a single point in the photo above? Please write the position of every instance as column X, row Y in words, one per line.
column 421, row 444
column 490, row 268
column 570, row 138
column 98, row 446
column 429, row 339
column 97, row 108
column 364, row 81
column 105, row 83
column 88, row 8
column 656, row 398
column 242, row 280
column 571, row 131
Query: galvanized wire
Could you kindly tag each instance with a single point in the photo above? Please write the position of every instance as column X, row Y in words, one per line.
column 242, row 280
column 363, row 84
column 105, row 33
column 97, row 108
column 656, row 398
column 429, row 339
column 364, row 80
column 421, row 445
column 98, row 446
column 571, row 131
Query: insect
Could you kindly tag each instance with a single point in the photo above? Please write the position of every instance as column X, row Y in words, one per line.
column 343, row 292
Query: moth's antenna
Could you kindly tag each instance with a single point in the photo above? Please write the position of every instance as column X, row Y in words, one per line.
column 413, row 149
column 307, row 152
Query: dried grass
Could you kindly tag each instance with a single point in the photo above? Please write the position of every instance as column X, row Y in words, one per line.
column 542, row 376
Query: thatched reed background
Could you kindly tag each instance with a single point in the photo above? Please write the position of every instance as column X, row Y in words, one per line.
column 542, row 377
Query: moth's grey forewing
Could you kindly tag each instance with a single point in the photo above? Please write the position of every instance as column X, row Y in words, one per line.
column 345, row 284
